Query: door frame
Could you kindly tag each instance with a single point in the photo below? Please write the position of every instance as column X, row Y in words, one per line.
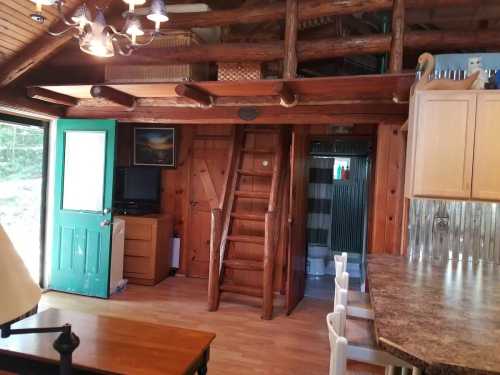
column 20, row 120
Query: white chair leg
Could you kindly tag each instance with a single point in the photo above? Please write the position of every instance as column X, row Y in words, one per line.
column 405, row 371
column 416, row 371
column 389, row 370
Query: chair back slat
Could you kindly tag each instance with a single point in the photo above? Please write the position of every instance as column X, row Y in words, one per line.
column 340, row 263
column 341, row 290
column 338, row 343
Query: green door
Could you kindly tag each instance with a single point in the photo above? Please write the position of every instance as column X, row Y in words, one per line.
column 81, row 251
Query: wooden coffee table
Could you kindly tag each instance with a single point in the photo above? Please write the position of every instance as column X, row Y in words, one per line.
column 107, row 346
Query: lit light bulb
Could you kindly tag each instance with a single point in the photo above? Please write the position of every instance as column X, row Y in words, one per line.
column 133, row 3
column 82, row 16
column 134, row 29
column 157, row 13
column 40, row 3
column 98, row 41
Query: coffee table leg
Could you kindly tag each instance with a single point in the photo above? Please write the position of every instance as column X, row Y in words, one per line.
column 203, row 370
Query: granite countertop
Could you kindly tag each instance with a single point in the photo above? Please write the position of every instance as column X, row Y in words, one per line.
column 443, row 318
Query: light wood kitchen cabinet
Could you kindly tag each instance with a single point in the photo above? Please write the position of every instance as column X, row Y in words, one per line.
column 453, row 145
column 486, row 181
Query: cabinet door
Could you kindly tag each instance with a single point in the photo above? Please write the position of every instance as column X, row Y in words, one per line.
column 444, row 142
column 486, row 181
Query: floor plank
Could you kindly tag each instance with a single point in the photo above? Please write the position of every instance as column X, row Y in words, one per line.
column 245, row 344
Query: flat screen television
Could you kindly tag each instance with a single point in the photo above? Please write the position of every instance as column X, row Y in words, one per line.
column 137, row 190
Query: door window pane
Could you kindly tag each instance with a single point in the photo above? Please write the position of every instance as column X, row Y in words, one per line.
column 84, row 163
column 21, row 179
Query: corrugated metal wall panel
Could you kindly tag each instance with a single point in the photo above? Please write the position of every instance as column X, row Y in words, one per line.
column 348, row 209
column 443, row 230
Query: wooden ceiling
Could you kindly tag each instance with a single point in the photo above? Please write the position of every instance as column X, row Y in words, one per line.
column 328, row 32
column 17, row 30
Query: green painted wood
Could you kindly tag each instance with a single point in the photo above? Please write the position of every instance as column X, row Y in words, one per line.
column 81, row 251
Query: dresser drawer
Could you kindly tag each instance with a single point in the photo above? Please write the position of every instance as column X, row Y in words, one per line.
column 138, row 267
column 138, row 231
column 139, row 248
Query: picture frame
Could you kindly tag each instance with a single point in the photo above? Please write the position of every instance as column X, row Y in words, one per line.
column 155, row 146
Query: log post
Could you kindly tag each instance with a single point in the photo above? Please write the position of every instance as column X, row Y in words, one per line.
column 214, row 265
column 268, row 274
column 291, row 31
column 397, row 42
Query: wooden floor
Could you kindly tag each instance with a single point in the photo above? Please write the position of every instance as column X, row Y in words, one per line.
column 245, row 344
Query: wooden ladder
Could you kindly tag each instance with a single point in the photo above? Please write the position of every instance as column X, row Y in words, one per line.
column 245, row 228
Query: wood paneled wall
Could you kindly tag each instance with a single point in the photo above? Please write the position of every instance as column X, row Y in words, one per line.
column 388, row 190
column 386, row 199
column 176, row 182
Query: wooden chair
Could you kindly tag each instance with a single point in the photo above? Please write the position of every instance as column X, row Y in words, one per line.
column 338, row 343
column 362, row 345
column 359, row 303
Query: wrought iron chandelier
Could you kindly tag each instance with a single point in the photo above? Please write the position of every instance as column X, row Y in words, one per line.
column 96, row 37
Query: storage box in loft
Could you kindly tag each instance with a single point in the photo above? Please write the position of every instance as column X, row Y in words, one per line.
column 239, row 71
column 161, row 73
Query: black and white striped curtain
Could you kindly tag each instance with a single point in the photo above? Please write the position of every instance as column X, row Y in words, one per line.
column 320, row 200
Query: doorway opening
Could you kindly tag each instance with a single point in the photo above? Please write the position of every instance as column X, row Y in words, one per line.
column 339, row 171
column 23, row 166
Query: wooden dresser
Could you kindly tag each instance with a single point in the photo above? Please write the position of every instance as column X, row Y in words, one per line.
column 148, row 248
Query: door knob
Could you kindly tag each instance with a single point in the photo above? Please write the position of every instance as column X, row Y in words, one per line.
column 105, row 223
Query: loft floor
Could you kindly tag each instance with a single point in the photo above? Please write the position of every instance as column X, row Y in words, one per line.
column 245, row 344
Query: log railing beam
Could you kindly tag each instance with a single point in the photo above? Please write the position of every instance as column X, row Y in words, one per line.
column 307, row 9
column 397, row 42
column 291, row 33
column 306, row 50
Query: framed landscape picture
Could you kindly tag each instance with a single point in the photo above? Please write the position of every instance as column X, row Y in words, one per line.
column 154, row 147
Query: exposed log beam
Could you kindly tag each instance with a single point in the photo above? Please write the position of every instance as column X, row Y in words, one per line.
column 15, row 98
column 307, row 9
column 463, row 15
column 368, row 87
column 364, row 105
column 113, row 95
column 306, row 50
column 51, row 96
column 36, row 52
column 287, row 96
column 291, row 33
column 230, row 115
column 194, row 94
column 397, row 41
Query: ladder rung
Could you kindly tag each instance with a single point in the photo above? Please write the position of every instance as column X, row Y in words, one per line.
column 251, row 194
column 243, row 264
column 248, row 217
column 241, row 289
column 258, row 151
column 253, row 172
column 246, row 239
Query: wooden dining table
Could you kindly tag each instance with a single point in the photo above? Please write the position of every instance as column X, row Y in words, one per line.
column 443, row 318
column 108, row 345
